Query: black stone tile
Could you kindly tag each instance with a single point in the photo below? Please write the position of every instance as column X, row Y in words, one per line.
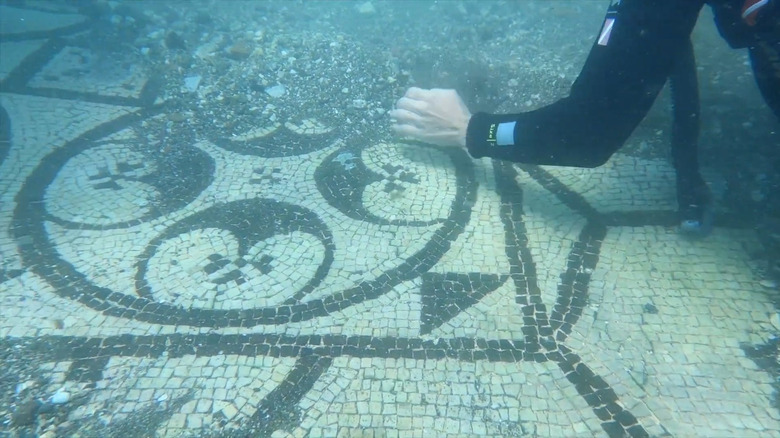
column 626, row 418
column 598, row 383
column 548, row 343
column 602, row 414
column 545, row 331
column 613, row 408
column 613, row 429
column 435, row 354
column 465, row 355
column 637, row 431
column 530, row 330
column 590, row 398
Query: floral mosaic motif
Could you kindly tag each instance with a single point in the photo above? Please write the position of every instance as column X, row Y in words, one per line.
column 126, row 185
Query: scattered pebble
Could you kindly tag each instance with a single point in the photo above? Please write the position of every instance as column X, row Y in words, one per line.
column 366, row 8
column 191, row 83
column 177, row 117
column 239, row 50
column 276, row 91
column 20, row 387
column 59, row 397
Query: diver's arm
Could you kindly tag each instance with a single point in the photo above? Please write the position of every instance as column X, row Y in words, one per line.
column 624, row 72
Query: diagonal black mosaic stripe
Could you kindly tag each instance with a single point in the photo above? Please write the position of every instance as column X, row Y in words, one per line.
column 566, row 195
column 571, row 298
column 522, row 269
column 573, row 288
column 617, row 422
column 637, row 218
column 279, row 409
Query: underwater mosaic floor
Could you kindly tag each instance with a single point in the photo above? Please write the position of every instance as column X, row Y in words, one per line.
column 290, row 282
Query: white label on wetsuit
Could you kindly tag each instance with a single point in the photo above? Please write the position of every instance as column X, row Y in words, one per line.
column 505, row 134
column 606, row 31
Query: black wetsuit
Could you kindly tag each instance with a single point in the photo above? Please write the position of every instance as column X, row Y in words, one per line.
column 642, row 43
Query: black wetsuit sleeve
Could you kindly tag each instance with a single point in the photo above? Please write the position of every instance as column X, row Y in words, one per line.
column 612, row 94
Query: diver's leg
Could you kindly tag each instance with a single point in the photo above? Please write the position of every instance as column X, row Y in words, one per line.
column 693, row 196
column 765, row 60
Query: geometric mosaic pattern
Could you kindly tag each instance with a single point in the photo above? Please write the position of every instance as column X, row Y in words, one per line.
column 296, row 280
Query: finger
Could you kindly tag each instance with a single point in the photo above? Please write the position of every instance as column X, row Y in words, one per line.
column 402, row 116
column 416, row 93
column 411, row 105
column 406, row 130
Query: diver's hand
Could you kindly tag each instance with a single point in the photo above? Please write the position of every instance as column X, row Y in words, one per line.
column 434, row 116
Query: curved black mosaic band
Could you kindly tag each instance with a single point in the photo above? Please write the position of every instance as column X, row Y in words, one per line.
column 250, row 221
column 280, row 143
column 343, row 177
column 42, row 257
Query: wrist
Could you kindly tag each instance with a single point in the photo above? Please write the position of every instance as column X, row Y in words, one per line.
column 462, row 132
column 478, row 133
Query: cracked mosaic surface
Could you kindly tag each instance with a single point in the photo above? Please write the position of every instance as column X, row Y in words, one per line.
column 295, row 279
